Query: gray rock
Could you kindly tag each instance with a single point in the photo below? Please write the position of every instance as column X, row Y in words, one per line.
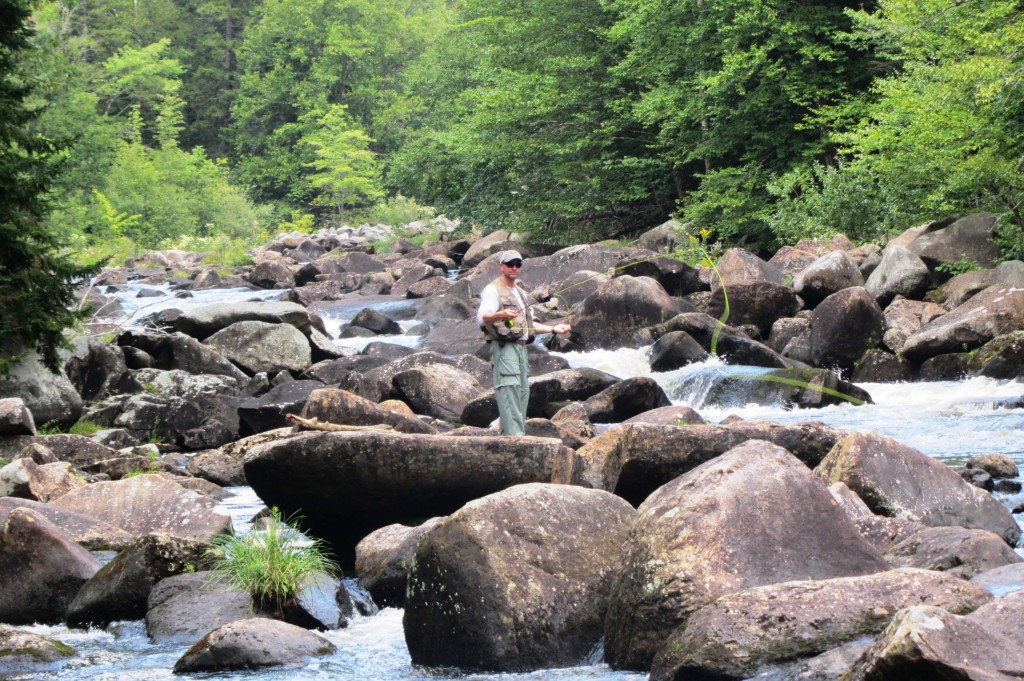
column 41, row 569
column 269, row 411
column 182, row 608
column 22, row 652
column 737, row 265
column 898, row 481
column 961, row 552
column 697, row 539
column 15, row 418
column 995, row 311
column 828, row 274
column 26, row 479
column 616, row 314
column 517, row 580
column 900, row 273
column 383, row 560
column 95, row 368
column 674, row 350
column 48, row 396
column 348, row 484
column 121, row 588
column 1001, row 580
column 843, row 327
column 1001, row 358
column 997, row 465
column 436, row 390
column 741, row 632
column 624, row 399
column 91, row 533
column 253, row 643
column 150, row 503
column 202, row 321
column 261, row 346
column 947, row 242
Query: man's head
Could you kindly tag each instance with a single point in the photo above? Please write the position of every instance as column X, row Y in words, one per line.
column 511, row 263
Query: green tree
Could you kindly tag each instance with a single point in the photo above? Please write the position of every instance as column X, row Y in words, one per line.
column 943, row 132
column 347, row 170
column 36, row 280
column 522, row 123
column 731, row 87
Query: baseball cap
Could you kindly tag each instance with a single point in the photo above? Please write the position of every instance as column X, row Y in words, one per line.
column 509, row 256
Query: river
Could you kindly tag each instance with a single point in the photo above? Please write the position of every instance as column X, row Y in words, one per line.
column 950, row 421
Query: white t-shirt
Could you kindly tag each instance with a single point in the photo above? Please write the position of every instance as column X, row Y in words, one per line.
column 491, row 302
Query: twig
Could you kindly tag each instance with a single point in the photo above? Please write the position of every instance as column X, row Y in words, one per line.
column 317, row 424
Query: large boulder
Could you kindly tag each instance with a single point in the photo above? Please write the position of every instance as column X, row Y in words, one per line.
column 253, row 643
column 962, row 552
column 947, row 242
column 900, row 273
column 345, row 408
column 202, row 321
column 997, row 310
column 93, row 534
column 261, row 346
column 121, row 588
column 383, row 560
column 789, row 388
column 624, row 399
column 179, row 351
column 182, row 608
column 348, row 484
column 436, row 390
column 41, row 569
column 516, row 581
column 926, row 642
column 270, row 410
column 753, row 516
column 737, row 635
column 1000, row 358
column 731, row 345
column 758, row 303
column 674, row 350
column 897, row 481
column 94, row 368
column 843, row 327
column 15, row 418
column 50, row 397
column 828, row 274
column 620, row 309
column 150, row 503
column 632, row 460
column 903, row 318
column 737, row 265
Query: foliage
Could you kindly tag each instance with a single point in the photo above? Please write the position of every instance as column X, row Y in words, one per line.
column 961, row 266
column 346, row 170
column 941, row 134
column 271, row 565
column 37, row 279
column 86, row 428
column 399, row 210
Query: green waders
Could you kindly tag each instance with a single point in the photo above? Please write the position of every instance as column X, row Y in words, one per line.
column 511, row 373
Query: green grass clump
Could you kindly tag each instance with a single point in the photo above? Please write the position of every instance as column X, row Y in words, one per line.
column 271, row 565
column 86, row 428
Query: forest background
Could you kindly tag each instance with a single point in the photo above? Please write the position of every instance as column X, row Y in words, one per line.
column 204, row 124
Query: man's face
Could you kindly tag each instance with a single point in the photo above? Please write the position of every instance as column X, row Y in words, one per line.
column 512, row 268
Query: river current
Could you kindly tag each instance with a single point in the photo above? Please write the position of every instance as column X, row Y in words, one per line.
column 950, row 421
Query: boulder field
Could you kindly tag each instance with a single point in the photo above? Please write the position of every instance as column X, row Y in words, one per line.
column 689, row 549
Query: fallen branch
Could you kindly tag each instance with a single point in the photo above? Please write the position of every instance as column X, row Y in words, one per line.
column 317, row 424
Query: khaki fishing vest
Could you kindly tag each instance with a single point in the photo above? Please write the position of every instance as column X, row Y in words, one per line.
column 511, row 330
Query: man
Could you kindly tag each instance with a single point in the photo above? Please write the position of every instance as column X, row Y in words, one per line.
column 507, row 321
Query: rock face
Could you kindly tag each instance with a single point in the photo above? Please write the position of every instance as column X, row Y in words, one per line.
column 437, row 390
column 739, row 633
column 261, row 346
column 515, row 581
column 348, row 484
column 843, row 327
column 41, row 569
column 750, row 517
column 150, row 503
column 897, row 481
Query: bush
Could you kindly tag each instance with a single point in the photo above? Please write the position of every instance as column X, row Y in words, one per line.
column 272, row 564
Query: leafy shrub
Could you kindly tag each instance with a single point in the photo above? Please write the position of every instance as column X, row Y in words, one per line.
column 270, row 565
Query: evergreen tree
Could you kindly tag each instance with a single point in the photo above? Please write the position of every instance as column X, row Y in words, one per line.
column 36, row 280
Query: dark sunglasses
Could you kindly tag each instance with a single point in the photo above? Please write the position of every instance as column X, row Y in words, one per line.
column 514, row 263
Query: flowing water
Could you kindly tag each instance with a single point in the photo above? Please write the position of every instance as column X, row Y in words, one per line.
column 950, row 421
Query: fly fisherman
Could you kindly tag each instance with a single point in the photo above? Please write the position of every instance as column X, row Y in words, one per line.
column 508, row 323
